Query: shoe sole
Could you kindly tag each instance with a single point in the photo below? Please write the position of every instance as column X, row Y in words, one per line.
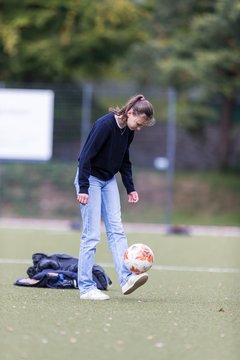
column 94, row 299
column 141, row 281
column 97, row 296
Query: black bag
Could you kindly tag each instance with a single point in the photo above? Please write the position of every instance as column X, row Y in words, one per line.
column 59, row 271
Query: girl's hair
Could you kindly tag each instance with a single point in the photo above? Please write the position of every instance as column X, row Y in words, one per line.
column 140, row 106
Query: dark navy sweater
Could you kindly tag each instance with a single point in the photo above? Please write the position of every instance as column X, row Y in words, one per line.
column 106, row 152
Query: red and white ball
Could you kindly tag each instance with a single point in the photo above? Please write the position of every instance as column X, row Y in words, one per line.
column 138, row 258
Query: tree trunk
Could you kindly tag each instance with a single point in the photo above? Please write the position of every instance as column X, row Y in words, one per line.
column 227, row 105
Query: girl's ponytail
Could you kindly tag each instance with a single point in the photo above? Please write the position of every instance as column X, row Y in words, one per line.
column 139, row 105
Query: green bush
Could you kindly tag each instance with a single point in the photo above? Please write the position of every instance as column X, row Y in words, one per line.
column 46, row 190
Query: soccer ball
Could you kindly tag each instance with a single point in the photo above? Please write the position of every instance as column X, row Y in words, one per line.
column 138, row 258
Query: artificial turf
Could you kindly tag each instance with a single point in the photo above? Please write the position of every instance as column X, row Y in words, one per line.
column 180, row 314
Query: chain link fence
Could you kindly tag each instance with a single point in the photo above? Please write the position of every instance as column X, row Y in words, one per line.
column 77, row 106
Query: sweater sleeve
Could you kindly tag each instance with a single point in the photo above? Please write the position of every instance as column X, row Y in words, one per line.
column 126, row 170
column 94, row 142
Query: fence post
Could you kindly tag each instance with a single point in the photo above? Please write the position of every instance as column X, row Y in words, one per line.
column 171, row 150
column 86, row 111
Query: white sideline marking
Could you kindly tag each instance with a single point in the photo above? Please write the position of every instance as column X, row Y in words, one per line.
column 196, row 269
column 155, row 267
column 185, row 268
column 15, row 261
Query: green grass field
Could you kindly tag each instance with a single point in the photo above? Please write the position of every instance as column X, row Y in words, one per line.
column 188, row 310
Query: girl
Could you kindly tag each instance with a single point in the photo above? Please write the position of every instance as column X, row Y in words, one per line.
column 105, row 153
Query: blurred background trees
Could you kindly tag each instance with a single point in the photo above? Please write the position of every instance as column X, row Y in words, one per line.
column 191, row 45
column 195, row 46
column 120, row 48
column 59, row 40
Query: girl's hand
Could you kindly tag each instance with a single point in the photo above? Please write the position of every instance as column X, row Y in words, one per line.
column 82, row 198
column 133, row 197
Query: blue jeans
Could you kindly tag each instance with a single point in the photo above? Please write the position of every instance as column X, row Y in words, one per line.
column 103, row 202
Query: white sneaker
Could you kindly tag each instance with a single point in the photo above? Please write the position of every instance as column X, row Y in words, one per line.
column 95, row 294
column 134, row 282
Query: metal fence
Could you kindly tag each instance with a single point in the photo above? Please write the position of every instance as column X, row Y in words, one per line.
column 77, row 106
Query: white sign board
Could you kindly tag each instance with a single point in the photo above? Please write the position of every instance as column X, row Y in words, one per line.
column 26, row 124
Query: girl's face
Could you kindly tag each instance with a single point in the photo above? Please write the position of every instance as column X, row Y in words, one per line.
column 135, row 122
